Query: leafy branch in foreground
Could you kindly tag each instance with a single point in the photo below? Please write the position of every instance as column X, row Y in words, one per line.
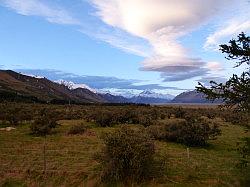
column 236, row 91
column 238, row 49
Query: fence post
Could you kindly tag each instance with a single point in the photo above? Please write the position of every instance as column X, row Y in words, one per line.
column 44, row 155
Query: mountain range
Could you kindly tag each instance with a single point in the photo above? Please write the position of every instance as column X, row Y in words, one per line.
column 15, row 86
column 147, row 96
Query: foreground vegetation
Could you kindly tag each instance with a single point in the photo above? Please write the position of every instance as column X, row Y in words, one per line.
column 123, row 145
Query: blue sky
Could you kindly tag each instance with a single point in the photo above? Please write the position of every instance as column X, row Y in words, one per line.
column 163, row 45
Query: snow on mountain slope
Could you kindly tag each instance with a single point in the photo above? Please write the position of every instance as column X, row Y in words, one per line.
column 72, row 85
column 34, row 76
column 151, row 94
column 130, row 93
column 126, row 93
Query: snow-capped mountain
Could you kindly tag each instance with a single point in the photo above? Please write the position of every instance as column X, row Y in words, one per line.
column 34, row 76
column 137, row 96
column 151, row 94
column 127, row 93
column 123, row 95
column 130, row 93
column 72, row 86
column 150, row 97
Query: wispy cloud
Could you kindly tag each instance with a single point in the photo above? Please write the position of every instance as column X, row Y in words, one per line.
column 119, row 39
column 53, row 14
column 233, row 28
column 236, row 22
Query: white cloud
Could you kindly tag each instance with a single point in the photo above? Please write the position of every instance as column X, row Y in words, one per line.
column 150, row 28
column 162, row 23
column 144, row 17
column 235, row 22
column 227, row 31
column 214, row 66
column 37, row 8
column 120, row 39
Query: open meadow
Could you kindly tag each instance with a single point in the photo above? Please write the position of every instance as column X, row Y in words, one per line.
column 68, row 154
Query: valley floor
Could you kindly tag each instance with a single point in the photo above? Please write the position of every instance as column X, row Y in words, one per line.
column 70, row 158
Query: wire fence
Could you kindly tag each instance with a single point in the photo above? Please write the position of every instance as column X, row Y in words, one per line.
column 74, row 157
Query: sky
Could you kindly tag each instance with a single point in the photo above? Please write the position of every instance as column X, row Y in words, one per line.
column 167, row 46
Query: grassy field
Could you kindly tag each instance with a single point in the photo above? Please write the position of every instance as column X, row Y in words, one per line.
column 70, row 159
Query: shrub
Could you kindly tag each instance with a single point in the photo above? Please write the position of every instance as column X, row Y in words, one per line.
column 154, row 114
column 243, row 148
column 237, row 118
column 179, row 113
column 128, row 156
column 44, row 123
column 13, row 114
column 156, row 131
column 77, row 129
column 145, row 121
column 163, row 116
column 104, row 119
column 195, row 132
column 189, row 116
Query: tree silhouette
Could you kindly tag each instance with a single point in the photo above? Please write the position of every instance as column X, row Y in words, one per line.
column 236, row 91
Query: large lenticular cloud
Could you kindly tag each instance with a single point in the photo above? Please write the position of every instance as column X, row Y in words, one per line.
column 162, row 23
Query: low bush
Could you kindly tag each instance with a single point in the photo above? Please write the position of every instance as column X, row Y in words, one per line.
column 179, row 112
column 243, row 164
column 128, row 156
column 192, row 132
column 237, row 118
column 44, row 123
column 104, row 119
column 157, row 132
column 243, row 148
column 146, row 121
column 13, row 115
column 77, row 129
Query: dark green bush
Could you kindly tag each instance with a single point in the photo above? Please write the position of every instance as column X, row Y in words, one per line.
column 163, row 116
column 14, row 115
column 179, row 112
column 128, row 156
column 104, row 119
column 195, row 132
column 237, row 118
column 243, row 148
column 157, row 132
column 77, row 129
column 145, row 121
column 44, row 123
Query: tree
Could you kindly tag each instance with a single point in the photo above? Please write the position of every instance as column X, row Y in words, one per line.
column 236, row 91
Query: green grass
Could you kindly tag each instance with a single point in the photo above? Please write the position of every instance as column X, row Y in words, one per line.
column 70, row 159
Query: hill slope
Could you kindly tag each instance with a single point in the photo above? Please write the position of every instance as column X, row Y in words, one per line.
column 15, row 85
